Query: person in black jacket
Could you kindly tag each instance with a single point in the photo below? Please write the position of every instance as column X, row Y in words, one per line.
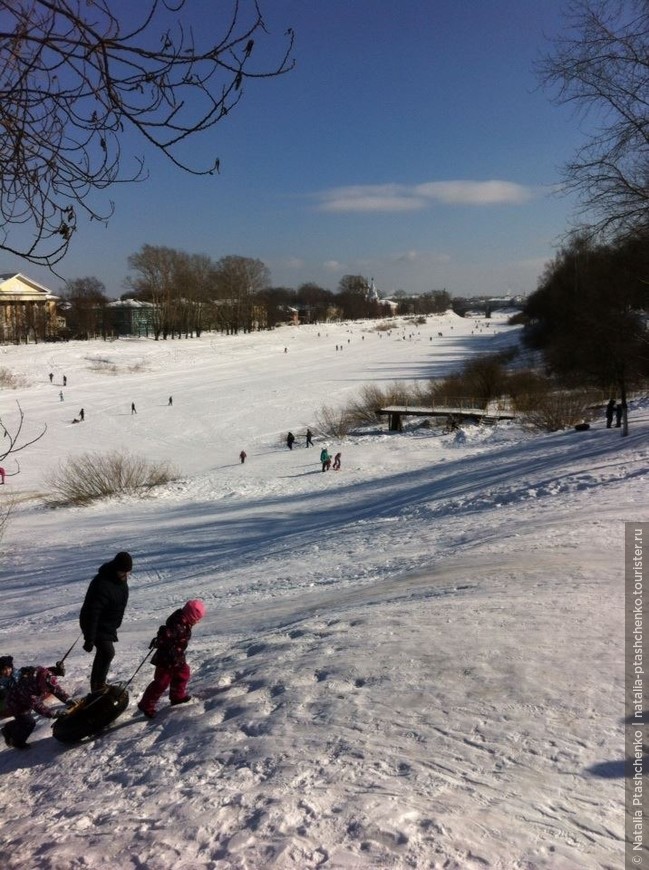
column 102, row 613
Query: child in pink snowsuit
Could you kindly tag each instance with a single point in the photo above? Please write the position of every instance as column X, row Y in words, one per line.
column 171, row 670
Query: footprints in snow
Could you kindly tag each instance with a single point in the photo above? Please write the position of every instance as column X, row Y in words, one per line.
column 252, row 699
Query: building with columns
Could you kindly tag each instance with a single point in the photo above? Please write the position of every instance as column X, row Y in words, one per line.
column 27, row 310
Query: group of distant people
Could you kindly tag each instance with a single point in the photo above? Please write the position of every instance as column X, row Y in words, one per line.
column 325, row 458
column 614, row 410
column 25, row 691
column 290, row 439
column 81, row 416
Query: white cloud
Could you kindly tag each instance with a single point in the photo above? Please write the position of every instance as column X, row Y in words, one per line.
column 474, row 192
column 371, row 197
column 422, row 257
column 401, row 197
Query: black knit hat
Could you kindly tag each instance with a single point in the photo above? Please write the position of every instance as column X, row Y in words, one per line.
column 6, row 661
column 123, row 562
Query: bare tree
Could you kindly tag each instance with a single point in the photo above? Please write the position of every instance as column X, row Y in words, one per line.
column 600, row 64
column 156, row 281
column 239, row 281
column 77, row 77
column 86, row 298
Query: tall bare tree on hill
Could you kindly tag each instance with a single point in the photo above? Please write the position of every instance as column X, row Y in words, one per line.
column 600, row 64
column 82, row 83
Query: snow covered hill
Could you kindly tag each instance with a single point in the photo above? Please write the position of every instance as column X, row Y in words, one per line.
column 413, row 662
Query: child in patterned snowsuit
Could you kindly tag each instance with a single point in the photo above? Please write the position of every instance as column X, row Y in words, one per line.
column 28, row 693
column 171, row 669
column 8, row 678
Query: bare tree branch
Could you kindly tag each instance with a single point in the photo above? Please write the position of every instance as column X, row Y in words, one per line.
column 75, row 79
column 601, row 65
column 16, row 441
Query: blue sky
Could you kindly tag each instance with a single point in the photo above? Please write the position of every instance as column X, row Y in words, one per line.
column 411, row 144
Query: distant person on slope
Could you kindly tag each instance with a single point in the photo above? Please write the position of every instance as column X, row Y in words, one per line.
column 325, row 459
column 102, row 613
column 290, row 440
column 610, row 411
column 336, row 465
column 243, row 456
column 171, row 669
column 309, row 438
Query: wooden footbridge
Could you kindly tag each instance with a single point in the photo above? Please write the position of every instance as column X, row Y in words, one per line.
column 455, row 412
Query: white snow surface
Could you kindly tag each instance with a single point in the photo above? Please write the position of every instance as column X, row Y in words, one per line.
column 414, row 662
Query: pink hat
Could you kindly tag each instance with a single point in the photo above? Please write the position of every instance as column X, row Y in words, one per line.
column 194, row 610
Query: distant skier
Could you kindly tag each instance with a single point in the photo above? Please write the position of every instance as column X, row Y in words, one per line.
column 171, row 401
column 27, row 693
column 65, row 381
column 325, row 459
column 82, row 415
column 610, row 411
column 243, row 456
column 61, row 395
column 309, row 438
column 51, row 377
column 290, row 440
column 618, row 415
column 102, row 613
column 133, row 409
column 171, row 669
column 336, row 465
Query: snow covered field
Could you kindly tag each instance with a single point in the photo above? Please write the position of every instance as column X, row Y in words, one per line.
column 414, row 662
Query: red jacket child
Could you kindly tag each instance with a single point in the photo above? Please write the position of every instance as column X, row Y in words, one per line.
column 171, row 669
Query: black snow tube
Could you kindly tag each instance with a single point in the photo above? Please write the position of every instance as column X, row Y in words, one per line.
column 91, row 715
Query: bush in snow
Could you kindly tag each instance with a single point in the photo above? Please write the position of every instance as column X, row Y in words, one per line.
column 11, row 381
column 551, row 411
column 333, row 423
column 362, row 410
column 480, row 381
column 92, row 476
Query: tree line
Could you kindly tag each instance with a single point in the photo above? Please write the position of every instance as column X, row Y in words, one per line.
column 192, row 293
column 589, row 313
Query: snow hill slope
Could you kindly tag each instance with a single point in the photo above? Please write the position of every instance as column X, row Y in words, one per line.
column 413, row 662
